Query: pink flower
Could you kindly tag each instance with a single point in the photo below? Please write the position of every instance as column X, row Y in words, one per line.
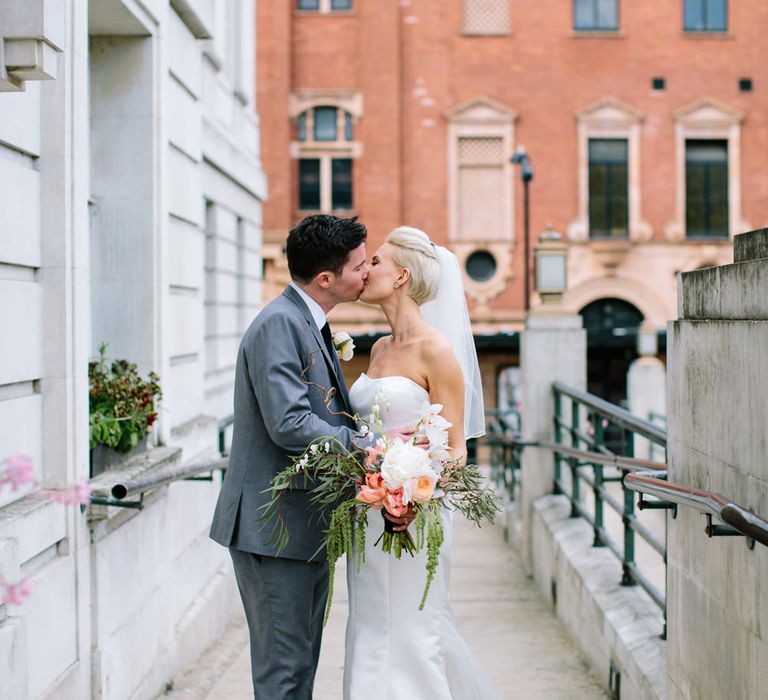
column 19, row 470
column 15, row 593
column 373, row 452
column 373, row 491
column 76, row 494
column 422, row 488
column 393, row 503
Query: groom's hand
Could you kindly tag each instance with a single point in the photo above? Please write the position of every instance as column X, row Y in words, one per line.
column 404, row 435
column 402, row 523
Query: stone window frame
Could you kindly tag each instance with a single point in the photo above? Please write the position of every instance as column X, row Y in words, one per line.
column 708, row 119
column 482, row 117
column 325, row 151
column 609, row 119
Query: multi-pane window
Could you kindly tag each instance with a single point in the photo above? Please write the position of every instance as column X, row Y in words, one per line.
column 324, row 6
column 705, row 15
column 608, row 188
column 324, row 135
column 706, row 188
column 596, row 15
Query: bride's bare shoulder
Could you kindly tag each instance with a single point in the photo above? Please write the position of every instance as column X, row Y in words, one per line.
column 437, row 352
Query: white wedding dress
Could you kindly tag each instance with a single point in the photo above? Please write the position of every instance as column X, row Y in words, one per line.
column 393, row 650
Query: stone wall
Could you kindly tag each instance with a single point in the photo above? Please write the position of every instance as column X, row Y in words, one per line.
column 130, row 213
column 717, row 399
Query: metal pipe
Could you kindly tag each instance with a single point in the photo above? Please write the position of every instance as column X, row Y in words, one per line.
column 165, row 476
column 748, row 524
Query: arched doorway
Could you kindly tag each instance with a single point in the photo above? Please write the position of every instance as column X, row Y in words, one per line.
column 611, row 326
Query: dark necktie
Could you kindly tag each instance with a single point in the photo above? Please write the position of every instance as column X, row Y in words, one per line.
column 326, row 331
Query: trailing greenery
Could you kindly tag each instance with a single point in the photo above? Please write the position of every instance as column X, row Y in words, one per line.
column 334, row 473
column 123, row 406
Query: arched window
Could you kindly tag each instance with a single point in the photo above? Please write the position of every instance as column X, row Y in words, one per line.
column 325, row 150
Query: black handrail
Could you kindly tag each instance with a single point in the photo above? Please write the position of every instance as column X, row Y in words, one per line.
column 746, row 523
column 617, row 415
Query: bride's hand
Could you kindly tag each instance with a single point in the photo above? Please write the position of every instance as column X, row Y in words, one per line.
column 403, row 522
column 405, row 435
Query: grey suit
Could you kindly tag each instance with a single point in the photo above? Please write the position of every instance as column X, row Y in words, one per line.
column 276, row 416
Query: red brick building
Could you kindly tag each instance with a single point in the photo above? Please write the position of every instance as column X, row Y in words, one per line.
column 646, row 124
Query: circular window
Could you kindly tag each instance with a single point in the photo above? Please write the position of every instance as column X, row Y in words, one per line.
column 481, row 266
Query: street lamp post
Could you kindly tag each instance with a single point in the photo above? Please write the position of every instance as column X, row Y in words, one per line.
column 520, row 157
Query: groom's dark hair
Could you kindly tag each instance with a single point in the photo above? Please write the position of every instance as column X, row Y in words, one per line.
column 322, row 242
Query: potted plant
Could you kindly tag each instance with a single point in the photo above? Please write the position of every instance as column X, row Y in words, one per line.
column 123, row 407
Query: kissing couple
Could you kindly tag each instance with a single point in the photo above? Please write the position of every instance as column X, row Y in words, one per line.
column 393, row 650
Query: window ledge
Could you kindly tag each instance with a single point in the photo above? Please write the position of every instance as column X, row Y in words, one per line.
column 320, row 13
column 720, row 36
column 105, row 519
column 598, row 34
column 484, row 35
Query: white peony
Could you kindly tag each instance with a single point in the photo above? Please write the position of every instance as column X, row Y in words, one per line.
column 402, row 462
column 344, row 345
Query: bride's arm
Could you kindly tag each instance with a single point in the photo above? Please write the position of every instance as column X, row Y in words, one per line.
column 446, row 386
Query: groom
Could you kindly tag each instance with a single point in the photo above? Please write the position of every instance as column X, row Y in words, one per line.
column 277, row 415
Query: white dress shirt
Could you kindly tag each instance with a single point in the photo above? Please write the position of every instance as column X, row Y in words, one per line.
column 314, row 308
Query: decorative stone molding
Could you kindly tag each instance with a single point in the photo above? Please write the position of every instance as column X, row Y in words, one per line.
column 610, row 252
column 653, row 308
column 483, row 292
column 31, row 36
column 483, row 119
column 302, row 100
column 708, row 118
column 609, row 119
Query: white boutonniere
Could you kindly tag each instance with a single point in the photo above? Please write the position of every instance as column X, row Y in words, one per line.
column 344, row 345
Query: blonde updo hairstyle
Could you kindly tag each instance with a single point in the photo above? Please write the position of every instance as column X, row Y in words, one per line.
column 416, row 253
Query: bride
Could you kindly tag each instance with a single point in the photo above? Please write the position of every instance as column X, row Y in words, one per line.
column 392, row 648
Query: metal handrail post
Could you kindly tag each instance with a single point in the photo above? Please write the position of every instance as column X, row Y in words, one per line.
column 629, row 510
column 573, row 462
column 558, row 438
column 597, row 422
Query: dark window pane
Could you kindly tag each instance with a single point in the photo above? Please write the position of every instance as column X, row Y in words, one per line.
column 309, row 184
column 341, row 4
column 341, row 183
column 583, row 14
column 717, row 15
column 608, row 187
column 596, row 14
column 308, row 4
column 347, row 126
column 481, row 266
column 325, row 123
column 694, row 15
column 301, row 130
column 607, row 14
column 706, row 188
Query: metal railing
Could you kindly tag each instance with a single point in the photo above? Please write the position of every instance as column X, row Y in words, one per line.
column 737, row 520
column 608, row 432
column 117, row 494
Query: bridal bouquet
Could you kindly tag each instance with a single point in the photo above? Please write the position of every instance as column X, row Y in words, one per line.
column 394, row 474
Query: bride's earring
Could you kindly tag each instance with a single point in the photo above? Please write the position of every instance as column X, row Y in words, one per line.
column 396, row 285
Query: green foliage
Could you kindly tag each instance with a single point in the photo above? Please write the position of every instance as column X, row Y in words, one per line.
column 122, row 404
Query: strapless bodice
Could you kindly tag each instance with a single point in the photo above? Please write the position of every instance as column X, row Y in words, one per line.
column 401, row 400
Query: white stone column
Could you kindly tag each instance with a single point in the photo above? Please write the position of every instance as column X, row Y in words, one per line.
column 553, row 347
column 646, row 390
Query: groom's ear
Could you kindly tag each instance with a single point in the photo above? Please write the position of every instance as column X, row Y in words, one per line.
column 324, row 279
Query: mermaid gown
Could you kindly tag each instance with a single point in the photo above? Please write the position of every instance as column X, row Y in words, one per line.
column 393, row 650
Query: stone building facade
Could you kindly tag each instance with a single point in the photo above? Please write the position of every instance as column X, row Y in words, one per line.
column 130, row 214
column 645, row 124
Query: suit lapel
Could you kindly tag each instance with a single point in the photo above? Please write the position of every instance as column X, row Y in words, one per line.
column 332, row 362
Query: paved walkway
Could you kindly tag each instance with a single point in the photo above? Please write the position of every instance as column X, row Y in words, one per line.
column 500, row 613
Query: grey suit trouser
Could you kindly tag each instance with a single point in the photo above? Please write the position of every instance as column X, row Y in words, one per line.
column 284, row 601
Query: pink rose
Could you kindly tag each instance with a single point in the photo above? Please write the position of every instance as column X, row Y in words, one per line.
column 373, row 453
column 422, row 488
column 373, row 491
column 393, row 503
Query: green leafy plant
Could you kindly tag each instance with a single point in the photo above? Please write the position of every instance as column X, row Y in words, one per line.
column 123, row 406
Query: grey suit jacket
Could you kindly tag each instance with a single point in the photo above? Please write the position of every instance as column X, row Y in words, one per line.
column 276, row 416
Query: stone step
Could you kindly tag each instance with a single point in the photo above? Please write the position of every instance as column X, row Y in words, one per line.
column 737, row 292
column 752, row 245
